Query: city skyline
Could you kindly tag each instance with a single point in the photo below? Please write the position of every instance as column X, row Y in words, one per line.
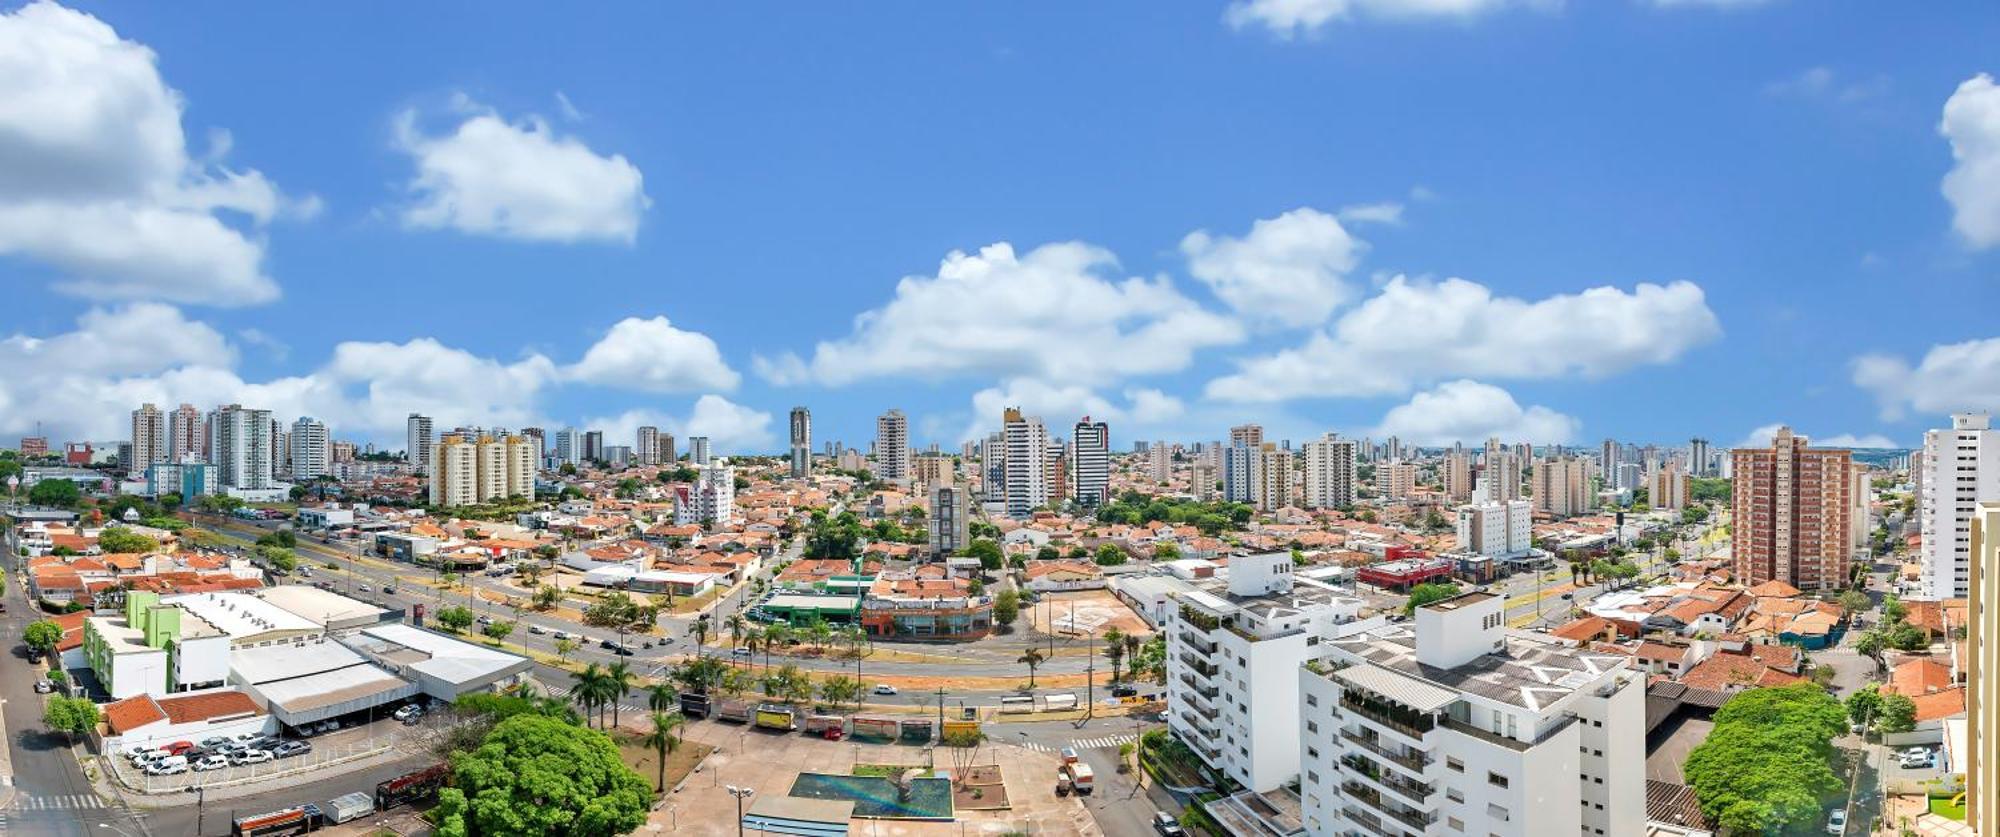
column 1344, row 283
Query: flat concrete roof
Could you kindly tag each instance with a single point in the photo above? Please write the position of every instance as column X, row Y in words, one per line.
column 241, row 614
column 322, row 607
column 436, row 655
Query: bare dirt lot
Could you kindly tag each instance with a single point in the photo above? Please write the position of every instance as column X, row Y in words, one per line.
column 1095, row 611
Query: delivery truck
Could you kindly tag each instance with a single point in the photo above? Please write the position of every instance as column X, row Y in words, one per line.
column 1078, row 776
column 353, row 806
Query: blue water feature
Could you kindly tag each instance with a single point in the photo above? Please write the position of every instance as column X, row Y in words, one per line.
column 874, row 796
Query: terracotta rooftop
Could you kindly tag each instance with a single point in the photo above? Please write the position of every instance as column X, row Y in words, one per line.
column 1918, row 677
column 1940, row 705
column 186, row 709
column 131, row 713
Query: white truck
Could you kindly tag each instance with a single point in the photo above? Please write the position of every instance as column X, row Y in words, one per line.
column 350, row 807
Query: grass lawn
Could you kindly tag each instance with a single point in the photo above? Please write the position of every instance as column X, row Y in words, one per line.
column 1941, row 806
column 890, row 771
column 642, row 759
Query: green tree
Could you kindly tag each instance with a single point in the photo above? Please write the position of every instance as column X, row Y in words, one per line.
column 1428, row 592
column 1864, row 705
column 1893, row 609
column 1114, row 650
column 564, row 648
column 588, row 689
column 1109, row 555
column 664, row 740
column 279, row 558
column 1033, row 660
column 1853, row 602
column 42, row 635
column 618, row 679
column 498, row 631
column 546, row 597
column 1006, row 609
column 455, row 618
column 121, row 539
column 59, row 493
column 989, row 554
column 1166, row 552
column 536, row 775
column 1768, row 762
column 1899, row 714
column 70, row 716
column 840, row 690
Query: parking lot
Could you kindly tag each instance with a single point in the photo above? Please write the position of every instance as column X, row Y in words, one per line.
column 1669, row 757
column 325, row 749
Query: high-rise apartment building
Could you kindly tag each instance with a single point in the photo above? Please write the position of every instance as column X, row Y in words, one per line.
column 668, row 455
column 1456, row 474
column 593, row 445
column 711, row 499
column 1160, row 462
column 1698, row 457
column 186, row 434
column 1500, row 478
column 1451, row 724
column 1395, row 480
column 802, row 445
column 149, row 439
column 1961, row 469
column 312, row 449
column 892, row 446
column 241, row 445
column 1027, row 463
column 698, row 452
column 1982, row 670
column 1667, row 488
column 417, row 442
column 1793, row 506
column 1609, row 455
column 1496, row 530
column 1247, row 435
column 569, row 447
column 1562, row 486
column 646, row 447
column 1090, row 466
column 470, row 470
column 1239, row 474
column 1273, row 488
column 950, row 518
column 1330, row 472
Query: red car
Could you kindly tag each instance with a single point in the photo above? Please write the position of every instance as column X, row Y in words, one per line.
column 179, row 747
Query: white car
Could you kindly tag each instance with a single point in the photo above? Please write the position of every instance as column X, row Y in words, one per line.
column 536, row 629
column 216, row 762
column 251, row 757
column 167, row 766
column 1837, row 824
column 408, row 712
column 147, row 756
column 884, row 689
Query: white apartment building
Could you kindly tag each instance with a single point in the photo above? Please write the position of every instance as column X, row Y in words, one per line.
column 1272, row 488
column 418, row 441
column 1562, row 486
column 712, row 497
column 1457, row 476
column 1027, row 463
column 1161, row 462
column 1396, row 480
column 1500, row 478
column 1496, row 530
column 312, row 449
column 186, row 434
column 646, row 445
column 1330, row 473
column 1667, row 488
column 149, row 438
column 698, row 452
column 1234, row 648
column 1960, row 471
column 1461, row 726
column 892, row 446
column 1090, row 463
column 241, row 446
column 1239, row 473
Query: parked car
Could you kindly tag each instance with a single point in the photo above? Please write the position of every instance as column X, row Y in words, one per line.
column 290, row 749
column 389, row 588
column 607, row 645
column 215, row 741
column 167, row 766
column 145, row 757
column 1912, row 752
column 407, row 712
column 211, row 763
column 43, row 687
column 1167, row 826
column 739, row 652
column 1124, row 690
column 1837, row 822
column 251, row 757
column 484, row 620
column 884, row 689
column 560, row 635
column 179, row 747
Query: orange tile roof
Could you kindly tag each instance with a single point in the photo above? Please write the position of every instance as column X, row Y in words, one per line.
column 1918, row 677
column 1584, row 629
column 1774, row 587
column 1725, row 670
column 184, row 709
column 1939, row 705
column 131, row 713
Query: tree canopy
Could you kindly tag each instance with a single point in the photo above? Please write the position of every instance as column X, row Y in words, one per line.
column 60, row 493
column 1426, row 593
column 42, row 635
column 1768, row 762
column 70, row 716
column 989, row 554
column 836, row 536
column 538, row 775
column 121, row 539
column 1211, row 518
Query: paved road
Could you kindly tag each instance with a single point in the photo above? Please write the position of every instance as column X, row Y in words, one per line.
column 1118, row 805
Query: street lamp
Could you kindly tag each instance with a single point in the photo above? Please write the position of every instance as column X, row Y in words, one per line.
column 740, row 794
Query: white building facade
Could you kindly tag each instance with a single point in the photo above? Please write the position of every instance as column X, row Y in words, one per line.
column 1960, row 470
column 1330, row 473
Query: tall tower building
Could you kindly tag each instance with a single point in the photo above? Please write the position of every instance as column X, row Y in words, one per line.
column 950, row 518
column 802, row 445
column 1962, row 469
column 471, row 470
column 1982, row 669
column 242, row 447
column 1090, row 468
column 1500, row 479
column 1666, row 488
column 1561, row 486
column 1698, row 457
column 1027, row 462
column 1162, row 462
column 186, row 435
column 149, row 438
column 417, row 442
column 1274, row 478
column 1793, row 507
column 1457, row 476
column 698, row 452
column 312, row 449
column 1395, row 480
column 892, row 446
column 1247, row 435
column 569, row 447
column 668, row 455
column 1330, row 472
column 593, row 445
column 647, row 446
column 1239, row 474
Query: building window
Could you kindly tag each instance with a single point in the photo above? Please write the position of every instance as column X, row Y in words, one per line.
column 1496, row 779
column 1453, row 763
column 1312, row 726
column 1453, row 795
column 1312, row 700
column 1455, row 823
column 1496, row 812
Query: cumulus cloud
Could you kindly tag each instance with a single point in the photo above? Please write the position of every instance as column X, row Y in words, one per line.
column 1290, row 18
column 1469, row 411
column 520, row 180
column 731, row 428
column 1290, row 270
column 1061, row 405
column 1972, row 125
column 96, row 179
column 1416, row 331
column 1056, row 313
column 652, row 355
column 1761, row 438
column 1952, row 377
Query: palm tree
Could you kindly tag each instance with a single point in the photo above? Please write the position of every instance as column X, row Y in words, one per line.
column 663, row 740
column 585, row 689
column 662, row 697
column 617, row 684
column 1114, row 650
column 699, row 630
column 753, row 639
column 774, row 637
column 1033, row 659
column 820, row 632
column 736, row 627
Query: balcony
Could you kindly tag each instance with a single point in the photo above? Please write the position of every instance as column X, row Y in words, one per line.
column 1200, row 688
column 1411, row 793
column 1196, row 641
column 1201, row 723
column 1369, row 821
column 1204, row 667
column 1413, row 760
column 1373, row 800
column 1199, row 619
column 1464, row 728
column 1406, row 721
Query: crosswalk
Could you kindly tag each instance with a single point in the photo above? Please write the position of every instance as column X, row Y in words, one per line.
column 59, row 802
column 1105, row 742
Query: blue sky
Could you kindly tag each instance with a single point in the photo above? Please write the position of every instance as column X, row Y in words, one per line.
column 1626, row 218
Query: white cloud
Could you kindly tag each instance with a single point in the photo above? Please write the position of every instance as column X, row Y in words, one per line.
column 731, row 428
column 1972, row 124
column 653, row 356
column 1415, row 332
column 96, row 179
column 1053, row 313
column 1952, row 377
column 1060, row 406
column 1761, row 438
column 1290, row 270
column 1386, row 212
column 1469, row 411
column 1288, row 18
column 518, row 180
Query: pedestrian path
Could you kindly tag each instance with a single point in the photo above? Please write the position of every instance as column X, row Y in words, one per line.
column 1105, row 742
column 59, row 802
